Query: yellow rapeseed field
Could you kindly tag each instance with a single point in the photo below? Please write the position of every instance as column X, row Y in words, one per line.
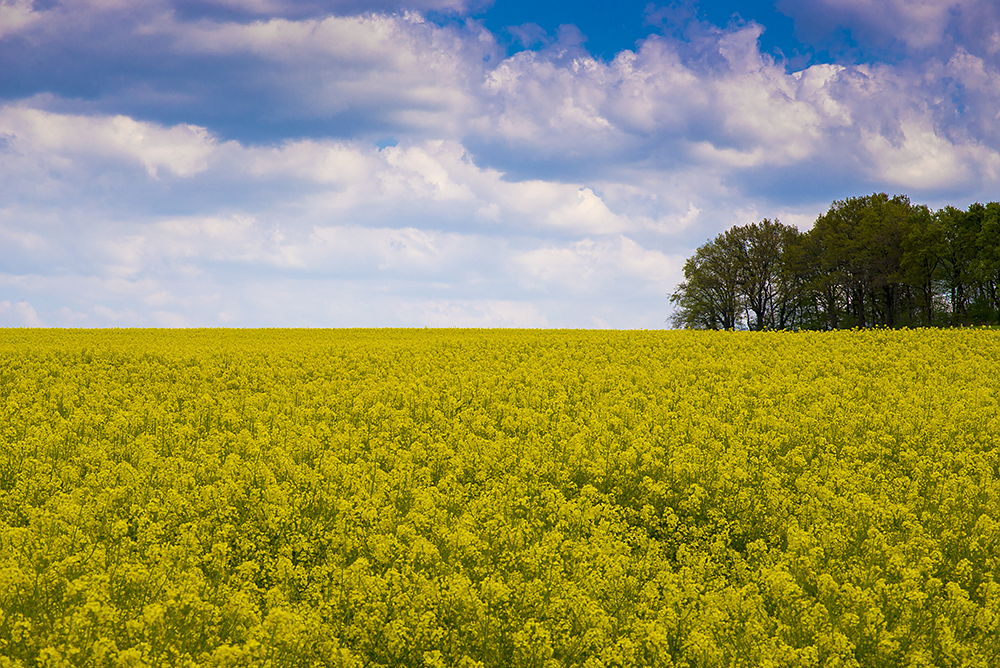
column 499, row 498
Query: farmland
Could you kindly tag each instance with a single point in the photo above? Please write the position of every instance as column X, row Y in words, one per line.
column 499, row 498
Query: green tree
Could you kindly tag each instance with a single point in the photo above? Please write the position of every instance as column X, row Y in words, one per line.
column 987, row 264
column 959, row 241
column 709, row 296
column 921, row 258
column 815, row 291
column 763, row 284
column 868, row 261
column 859, row 246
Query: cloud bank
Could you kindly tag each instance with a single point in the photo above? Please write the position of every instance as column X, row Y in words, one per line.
column 258, row 162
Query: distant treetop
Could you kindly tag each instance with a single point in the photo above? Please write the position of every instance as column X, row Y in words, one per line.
column 868, row 261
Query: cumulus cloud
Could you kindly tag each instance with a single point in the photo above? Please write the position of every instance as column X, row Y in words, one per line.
column 21, row 314
column 16, row 15
column 181, row 149
column 349, row 75
column 555, row 112
column 19, row 15
column 585, row 266
column 920, row 26
column 921, row 158
column 312, row 7
column 736, row 113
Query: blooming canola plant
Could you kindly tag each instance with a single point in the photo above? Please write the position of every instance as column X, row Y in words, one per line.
column 499, row 498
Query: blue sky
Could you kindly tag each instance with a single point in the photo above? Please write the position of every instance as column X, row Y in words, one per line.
column 455, row 162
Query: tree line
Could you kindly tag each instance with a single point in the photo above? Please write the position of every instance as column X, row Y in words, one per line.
column 868, row 261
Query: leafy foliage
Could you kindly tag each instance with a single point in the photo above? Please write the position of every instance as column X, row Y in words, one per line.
column 499, row 498
column 868, row 261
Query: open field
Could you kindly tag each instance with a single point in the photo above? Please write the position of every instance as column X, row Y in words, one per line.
column 499, row 498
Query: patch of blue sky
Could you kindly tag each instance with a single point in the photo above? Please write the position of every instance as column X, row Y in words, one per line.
column 611, row 27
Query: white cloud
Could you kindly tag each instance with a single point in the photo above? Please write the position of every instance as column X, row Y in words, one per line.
column 107, row 313
column 919, row 24
column 591, row 267
column 407, row 251
column 16, row 15
column 922, row 158
column 802, row 221
column 743, row 112
column 182, row 150
column 21, row 314
column 280, row 7
column 408, row 71
column 326, row 162
column 170, row 319
column 421, row 173
column 472, row 313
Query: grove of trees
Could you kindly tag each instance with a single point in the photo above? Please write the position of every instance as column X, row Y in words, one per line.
column 868, row 261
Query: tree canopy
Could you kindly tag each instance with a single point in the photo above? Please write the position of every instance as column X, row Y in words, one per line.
column 868, row 261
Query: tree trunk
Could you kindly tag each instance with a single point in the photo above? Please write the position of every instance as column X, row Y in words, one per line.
column 890, row 304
